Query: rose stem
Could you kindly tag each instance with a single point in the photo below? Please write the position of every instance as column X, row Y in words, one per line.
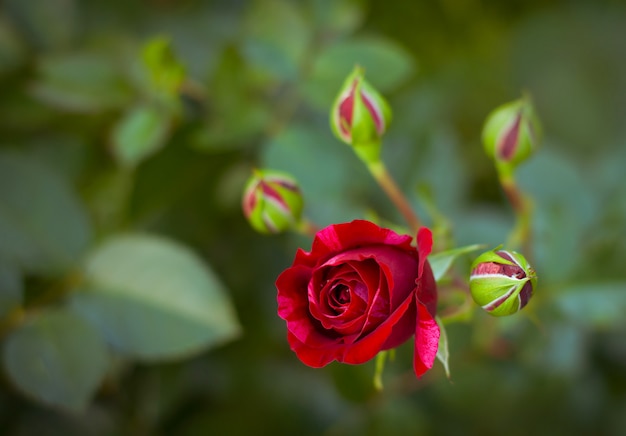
column 522, row 206
column 387, row 183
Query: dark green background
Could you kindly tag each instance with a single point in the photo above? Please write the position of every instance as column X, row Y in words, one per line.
column 264, row 74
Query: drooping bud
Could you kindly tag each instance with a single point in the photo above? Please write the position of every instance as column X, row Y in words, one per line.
column 360, row 116
column 272, row 201
column 511, row 132
column 502, row 282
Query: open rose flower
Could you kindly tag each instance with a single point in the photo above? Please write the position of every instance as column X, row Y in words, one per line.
column 360, row 290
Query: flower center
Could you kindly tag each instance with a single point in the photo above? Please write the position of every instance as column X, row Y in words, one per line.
column 340, row 295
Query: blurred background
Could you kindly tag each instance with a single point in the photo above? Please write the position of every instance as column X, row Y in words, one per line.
column 127, row 132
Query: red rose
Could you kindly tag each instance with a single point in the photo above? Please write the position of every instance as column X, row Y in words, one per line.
column 360, row 290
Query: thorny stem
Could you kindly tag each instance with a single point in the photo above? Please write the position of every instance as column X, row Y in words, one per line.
column 388, row 184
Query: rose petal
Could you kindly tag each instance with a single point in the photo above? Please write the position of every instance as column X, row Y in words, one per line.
column 367, row 347
column 403, row 330
column 338, row 238
column 426, row 340
column 315, row 357
column 293, row 307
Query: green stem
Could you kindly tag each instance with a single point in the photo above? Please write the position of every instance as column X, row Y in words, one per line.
column 381, row 357
column 387, row 183
column 522, row 206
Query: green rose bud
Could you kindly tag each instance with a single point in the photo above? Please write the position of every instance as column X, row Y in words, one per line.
column 511, row 133
column 272, row 201
column 360, row 116
column 502, row 282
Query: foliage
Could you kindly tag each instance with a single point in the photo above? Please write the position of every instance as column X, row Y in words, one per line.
column 134, row 295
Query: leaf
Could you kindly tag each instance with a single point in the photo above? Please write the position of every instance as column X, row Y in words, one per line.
column 594, row 305
column 441, row 262
column 338, row 17
column 386, row 64
column 47, row 24
column 12, row 50
column 443, row 353
column 80, row 82
column 141, row 132
column 276, row 36
column 562, row 212
column 11, row 289
column 43, row 226
column 154, row 299
column 165, row 72
column 56, row 357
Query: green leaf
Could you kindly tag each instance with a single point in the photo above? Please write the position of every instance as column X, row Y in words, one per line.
column 441, row 262
column 165, row 72
column 243, row 115
column 386, row 64
column 276, row 37
column 337, row 17
column 43, row 226
column 11, row 289
column 141, row 132
column 594, row 305
column 47, row 24
column 564, row 209
column 80, row 82
column 443, row 353
column 56, row 357
column 154, row 299
column 12, row 50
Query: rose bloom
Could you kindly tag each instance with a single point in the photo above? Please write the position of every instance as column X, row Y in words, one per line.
column 360, row 290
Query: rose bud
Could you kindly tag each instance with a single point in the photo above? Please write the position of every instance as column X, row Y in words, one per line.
column 511, row 132
column 502, row 282
column 272, row 201
column 361, row 289
column 360, row 115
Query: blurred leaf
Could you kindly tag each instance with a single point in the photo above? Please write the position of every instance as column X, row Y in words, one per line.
column 10, row 289
column 441, row 262
column 165, row 71
column 236, row 113
column 12, row 50
column 337, row 17
column 23, row 113
column 56, row 357
column 80, row 82
column 455, row 305
column 141, row 132
column 443, row 353
column 594, row 305
column 47, row 24
column 43, row 226
column 564, row 208
column 154, row 299
column 276, row 37
column 386, row 64
column 107, row 197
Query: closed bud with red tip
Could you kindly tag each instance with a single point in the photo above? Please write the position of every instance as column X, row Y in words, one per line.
column 502, row 282
column 511, row 133
column 272, row 201
column 360, row 116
